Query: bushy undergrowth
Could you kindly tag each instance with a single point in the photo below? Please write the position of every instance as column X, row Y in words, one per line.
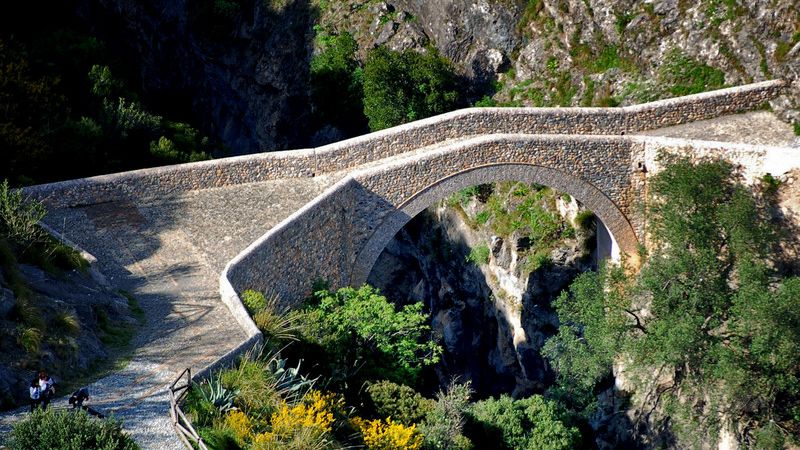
column 68, row 430
column 366, row 356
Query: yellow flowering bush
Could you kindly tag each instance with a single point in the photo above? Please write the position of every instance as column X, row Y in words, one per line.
column 240, row 424
column 388, row 435
column 314, row 413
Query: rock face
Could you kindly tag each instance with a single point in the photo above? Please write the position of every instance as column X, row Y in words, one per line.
column 241, row 67
column 67, row 346
column 242, row 73
column 493, row 318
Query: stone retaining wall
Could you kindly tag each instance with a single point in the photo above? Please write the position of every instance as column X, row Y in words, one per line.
column 161, row 181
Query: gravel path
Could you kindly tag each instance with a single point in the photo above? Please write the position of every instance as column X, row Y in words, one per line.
column 168, row 253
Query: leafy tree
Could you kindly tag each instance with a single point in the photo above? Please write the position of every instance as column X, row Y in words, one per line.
column 336, row 83
column 400, row 87
column 706, row 308
column 530, row 423
column 362, row 333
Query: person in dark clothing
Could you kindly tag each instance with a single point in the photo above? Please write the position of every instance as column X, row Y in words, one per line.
column 47, row 388
column 35, row 394
column 78, row 398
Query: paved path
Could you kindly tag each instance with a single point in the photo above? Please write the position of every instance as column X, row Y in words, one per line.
column 755, row 127
column 169, row 253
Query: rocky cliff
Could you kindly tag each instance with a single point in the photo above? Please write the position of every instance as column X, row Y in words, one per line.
column 489, row 294
column 239, row 68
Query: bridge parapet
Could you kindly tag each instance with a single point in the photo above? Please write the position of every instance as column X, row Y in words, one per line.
column 345, row 155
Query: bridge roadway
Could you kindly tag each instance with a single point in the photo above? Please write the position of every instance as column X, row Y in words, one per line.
column 169, row 253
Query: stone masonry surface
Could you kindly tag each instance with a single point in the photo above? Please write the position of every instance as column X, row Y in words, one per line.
column 160, row 181
column 165, row 233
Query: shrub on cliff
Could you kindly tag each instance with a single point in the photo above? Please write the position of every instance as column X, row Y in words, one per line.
column 401, row 87
column 530, row 423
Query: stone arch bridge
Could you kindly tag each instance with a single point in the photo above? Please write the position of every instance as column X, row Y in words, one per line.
column 183, row 237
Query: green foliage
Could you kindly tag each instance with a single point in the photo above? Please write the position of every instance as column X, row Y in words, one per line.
column 362, row 333
column 401, row 87
column 400, row 402
column 208, row 401
column 337, row 82
column 530, row 423
column 164, row 149
column 584, row 219
column 717, row 318
column 482, row 217
column 769, row 184
column 443, row 427
column 796, row 128
column 684, row 75
column 589, row 337
column 254, row 301
column 478, row 255
column 30, row 339
column 485, row 102
column 19, row 219
column 65, row 430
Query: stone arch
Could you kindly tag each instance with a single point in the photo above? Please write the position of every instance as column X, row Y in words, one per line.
column 615, row 221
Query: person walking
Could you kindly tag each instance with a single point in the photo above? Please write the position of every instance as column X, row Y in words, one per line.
column 35, row 394
column 47, row 388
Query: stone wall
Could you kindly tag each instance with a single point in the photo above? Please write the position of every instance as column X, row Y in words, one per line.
column 162, row 181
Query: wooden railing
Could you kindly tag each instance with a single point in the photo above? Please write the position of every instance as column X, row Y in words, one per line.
column 183, row 426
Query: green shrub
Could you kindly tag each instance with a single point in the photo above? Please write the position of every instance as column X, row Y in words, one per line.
column 66, row 430
column 401, row 87
column 769, row 184
column 530, row 423
column 254, row 301
column 685, row 75
column 482, row 217
column 67, row 322
column 444, row 425
column 30, row 339
column 19, row 218
column 796, row 128
column 364, row 335
column 478, row 255
column 584, row 219
column 337, row 82
column 402, row 403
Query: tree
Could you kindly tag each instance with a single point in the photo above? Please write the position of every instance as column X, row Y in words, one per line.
column 363, row 334
column 711, row 311
column 400, row 87
column 530, row 423
column 336, row 83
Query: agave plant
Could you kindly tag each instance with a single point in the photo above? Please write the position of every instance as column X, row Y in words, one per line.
column 288, row 380
column 213, row 392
